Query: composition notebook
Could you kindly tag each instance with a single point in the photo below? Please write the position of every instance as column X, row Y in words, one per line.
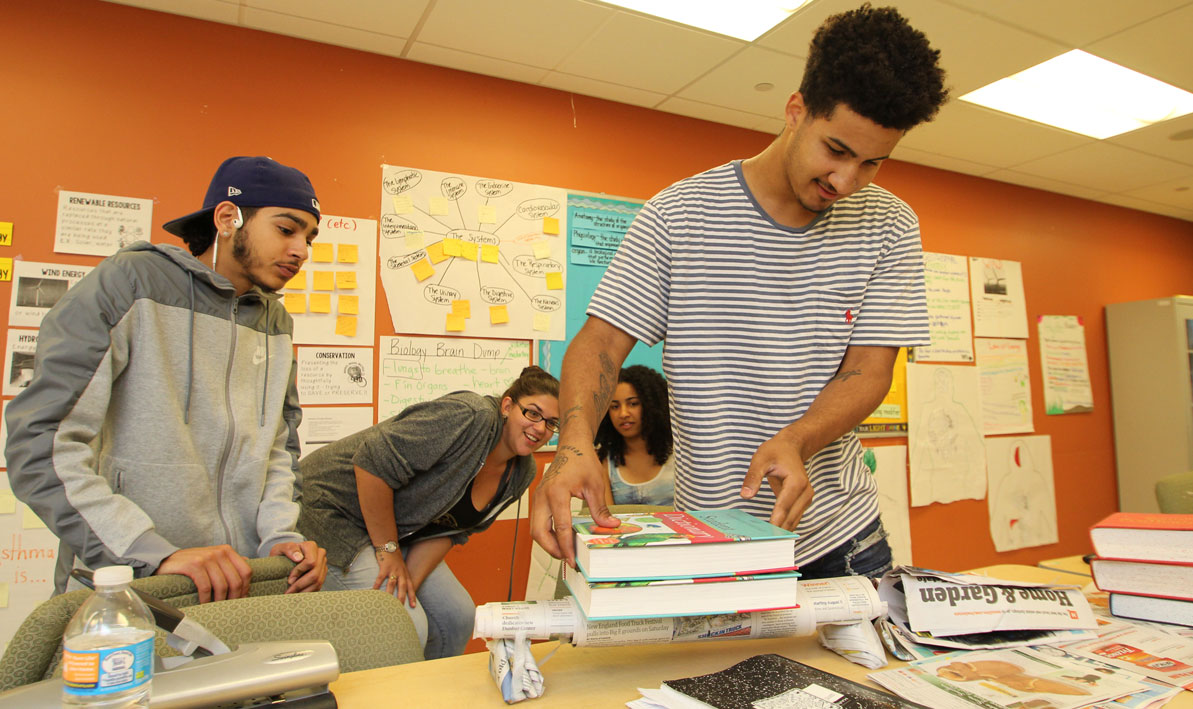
column 766, row 681
column 662, row 545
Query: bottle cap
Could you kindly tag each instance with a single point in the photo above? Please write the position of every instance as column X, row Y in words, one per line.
column 112, row 575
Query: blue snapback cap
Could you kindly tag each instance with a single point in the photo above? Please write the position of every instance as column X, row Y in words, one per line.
column 251, row 182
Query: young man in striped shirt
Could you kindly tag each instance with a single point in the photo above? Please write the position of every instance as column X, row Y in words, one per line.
column 783, row 286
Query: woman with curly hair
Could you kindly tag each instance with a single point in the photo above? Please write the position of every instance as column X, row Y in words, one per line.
column 634, row 440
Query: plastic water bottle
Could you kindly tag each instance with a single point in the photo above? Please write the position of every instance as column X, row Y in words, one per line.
column 107, row 650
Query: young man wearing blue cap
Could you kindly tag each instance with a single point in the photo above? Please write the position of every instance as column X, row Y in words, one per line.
column 160, row 428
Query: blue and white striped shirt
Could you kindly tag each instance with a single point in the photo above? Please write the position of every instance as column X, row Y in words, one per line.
column 756, row 318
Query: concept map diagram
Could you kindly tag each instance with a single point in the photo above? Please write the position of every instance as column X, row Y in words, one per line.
column 472, row 256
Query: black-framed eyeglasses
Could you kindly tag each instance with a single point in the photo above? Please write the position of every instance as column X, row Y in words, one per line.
column 534, row 417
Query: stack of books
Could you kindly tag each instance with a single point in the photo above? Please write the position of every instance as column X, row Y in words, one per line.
column 1145, row 562
column 701, row 562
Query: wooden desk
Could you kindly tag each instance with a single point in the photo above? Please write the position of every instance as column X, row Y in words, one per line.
column 609, row 676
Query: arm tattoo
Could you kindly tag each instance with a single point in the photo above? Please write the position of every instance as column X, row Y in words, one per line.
column 560, row 461
column 846, row 375
column 604, row 393
column 572, row 413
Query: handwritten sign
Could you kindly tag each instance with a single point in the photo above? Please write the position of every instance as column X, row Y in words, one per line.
column 417, row 369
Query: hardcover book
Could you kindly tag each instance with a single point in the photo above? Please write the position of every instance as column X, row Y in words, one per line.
column 1158, row 610
column 1145, row 578
column 699, row 543
column 1144, row 536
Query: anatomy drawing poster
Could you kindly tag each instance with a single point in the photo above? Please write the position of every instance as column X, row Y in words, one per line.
column 1022, row 498
column 889, row 466
column 948, row 455
column 473, row 257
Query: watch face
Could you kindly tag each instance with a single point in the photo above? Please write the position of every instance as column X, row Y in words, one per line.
column 390, row 547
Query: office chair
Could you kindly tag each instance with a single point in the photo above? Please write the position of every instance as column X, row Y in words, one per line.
column 367, row 628
column 1174, row 493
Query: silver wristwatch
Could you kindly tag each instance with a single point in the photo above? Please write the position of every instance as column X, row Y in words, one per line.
column 389, row 547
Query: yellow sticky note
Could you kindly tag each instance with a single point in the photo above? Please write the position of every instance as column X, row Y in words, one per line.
column 346, row 253
column 451, row 247
column 439, row 206
column 486, row 214
column 349, row 304
column 5, row 233
column 299, row 282
column 8, row 502
column 322, row 253
column 422, row 270
column 296, row 303
column 4, row 594
column 5, row 269
column 455, row 323
column 550, row 225
column 462, row 307
column 498, row 314
column 320, row 302
column 346, row 325
column 489, row 253
column 31, row 520
column 435, row 251
column 542, row 249
column 403, row 204
column 345, row 280
column 554, row 280
column 414, row 240
column 326, row 280
column 468, row 250
column 542, row 322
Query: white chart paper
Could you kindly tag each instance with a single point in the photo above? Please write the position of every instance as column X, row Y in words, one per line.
column 1064, row 365
column 946, row 278
column 99, row 224
column 333, row 300
column 327, row 424
column 999, row 308
column 948, row 456
column 1006, row 386
column 36, row 287
column 1022, row 499
column 335, row 375
column 889, row 465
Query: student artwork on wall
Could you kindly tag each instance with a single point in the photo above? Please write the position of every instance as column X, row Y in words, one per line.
column 948, row 456
column 335, row 375
column 37, row 287
column 889, row 466
column 18, row 360
column 1022, row 497
column 1064, row 365
column 327, row 424
column 999, row 308
column 332, row 299
column 946, row 280
column 1006, row 386
column 100, row 225
column 472, row 256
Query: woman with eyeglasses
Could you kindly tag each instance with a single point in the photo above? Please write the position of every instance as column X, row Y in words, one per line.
column 390, row 501
column 634, row 440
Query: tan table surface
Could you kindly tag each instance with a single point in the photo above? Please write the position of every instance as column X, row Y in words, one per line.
column 1072, row 564
column 608, row 676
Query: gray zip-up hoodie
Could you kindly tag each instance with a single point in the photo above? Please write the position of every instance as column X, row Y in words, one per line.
column 162, row 414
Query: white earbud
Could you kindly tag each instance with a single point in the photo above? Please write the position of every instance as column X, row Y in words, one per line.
column 239, row 220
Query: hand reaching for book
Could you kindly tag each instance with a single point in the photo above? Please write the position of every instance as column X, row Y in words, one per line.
column 394, row 577
column 779, row 461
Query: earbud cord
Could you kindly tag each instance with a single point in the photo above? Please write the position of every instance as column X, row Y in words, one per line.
column 509, row 596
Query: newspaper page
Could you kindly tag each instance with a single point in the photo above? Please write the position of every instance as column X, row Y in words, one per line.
column 945, row 608
column 1148, row 651
column 1008, row 679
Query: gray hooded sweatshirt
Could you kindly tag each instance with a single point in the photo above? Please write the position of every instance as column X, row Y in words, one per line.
column 162, row 414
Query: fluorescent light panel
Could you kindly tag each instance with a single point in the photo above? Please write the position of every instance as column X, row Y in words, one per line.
column 1085, row 94
column 743, row 19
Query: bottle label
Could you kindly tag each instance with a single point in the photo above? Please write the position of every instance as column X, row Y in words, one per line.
column 116, row 669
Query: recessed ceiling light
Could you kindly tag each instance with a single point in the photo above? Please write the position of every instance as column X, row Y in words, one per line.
column 743, row 19
column 1085, row 94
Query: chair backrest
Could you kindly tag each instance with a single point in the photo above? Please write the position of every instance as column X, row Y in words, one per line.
column 35, row 650
column 1174, row 493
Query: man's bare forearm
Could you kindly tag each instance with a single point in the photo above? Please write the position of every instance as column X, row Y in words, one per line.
column 589, row 375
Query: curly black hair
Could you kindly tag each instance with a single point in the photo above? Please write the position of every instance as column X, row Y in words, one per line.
column 656, row 417
column 874, row 62
column 199, row 237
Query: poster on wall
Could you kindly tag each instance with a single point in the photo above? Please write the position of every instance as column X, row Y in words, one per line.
column 1006, row 386
column 322, row 425
column 999, row 308
column 472, row 256
column 1022, row 497
column 889, row 466
column 333, row 298
column 946, row 282
column 947, row 453
column 335, row 375
column 99, row 224
column 1064, row 365
column 26, row 564
column 18, row 360
column 890, row 418
column 36, row 287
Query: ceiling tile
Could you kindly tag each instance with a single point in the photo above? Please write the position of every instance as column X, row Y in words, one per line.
column 794, row 34
column 1107, row 167
column 214, row 10
column 601, row 89
column 1147, row 206
column 629, row 50
column 314, row 30
column 708, row 112
column 534, row 32
column 1157, row 139
column 1024, row 179
column 377, row 16
column 944, row 162
column 988, row 137
column 1174, row 193
column 1073, row 22
column 1158, row 47
column 732, row 83
column 770, row 126
column 475, row 63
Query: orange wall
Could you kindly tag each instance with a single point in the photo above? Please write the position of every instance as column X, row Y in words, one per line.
column 105, row 98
